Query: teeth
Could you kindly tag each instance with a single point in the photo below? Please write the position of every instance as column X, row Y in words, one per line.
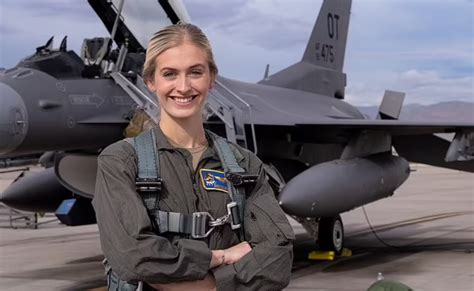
column 183, row 100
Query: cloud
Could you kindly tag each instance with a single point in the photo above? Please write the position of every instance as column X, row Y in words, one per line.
column 423, row 87
column 428, row 86
column 74, row 10
column 415, row 46
column 387, row 40
column 30, row 24
column 271, row 25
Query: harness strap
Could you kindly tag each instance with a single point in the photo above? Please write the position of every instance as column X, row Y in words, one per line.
column 227, row 157
column 198, row 224
column 173, row 222
column 148, row 181
column 231, row 170
column 148, row 162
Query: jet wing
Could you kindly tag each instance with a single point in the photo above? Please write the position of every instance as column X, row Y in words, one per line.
column 394, row 127
column 415, row 141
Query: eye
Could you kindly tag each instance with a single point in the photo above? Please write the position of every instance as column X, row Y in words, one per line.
column 196, row 73
column 168, row 74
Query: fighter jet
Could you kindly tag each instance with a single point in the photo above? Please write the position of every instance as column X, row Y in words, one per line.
column 323, row 157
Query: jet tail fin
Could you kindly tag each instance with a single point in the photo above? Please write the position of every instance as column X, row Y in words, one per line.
column 327, row 44
column 320, row 70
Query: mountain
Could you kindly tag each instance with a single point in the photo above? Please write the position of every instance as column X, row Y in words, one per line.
column 444, row 111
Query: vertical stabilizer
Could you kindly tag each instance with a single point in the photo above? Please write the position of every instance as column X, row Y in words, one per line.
column 327, row 44
column 320, row 70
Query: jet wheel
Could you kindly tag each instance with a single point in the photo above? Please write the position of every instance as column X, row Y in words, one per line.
column 331, row 234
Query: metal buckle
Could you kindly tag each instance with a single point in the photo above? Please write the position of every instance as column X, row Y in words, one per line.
column 220, row 221
column 233, row 213
column 199, row 225
column 148, row 184
column 238, row 179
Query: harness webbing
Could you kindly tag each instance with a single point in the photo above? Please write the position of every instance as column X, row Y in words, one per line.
column 148, row 162
column 230, row 165
column 149, row 181
column 148, row 175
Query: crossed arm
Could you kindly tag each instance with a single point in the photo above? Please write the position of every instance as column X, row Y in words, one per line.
column 219, row 257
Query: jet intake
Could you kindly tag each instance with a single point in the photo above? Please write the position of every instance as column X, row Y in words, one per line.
column 77, row 172
column 330, row 188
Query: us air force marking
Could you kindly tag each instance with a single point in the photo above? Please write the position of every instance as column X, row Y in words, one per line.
column 213, row 180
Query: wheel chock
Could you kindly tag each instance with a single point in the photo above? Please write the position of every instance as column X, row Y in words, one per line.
column 328, row 255
column 322, row 255
column 346, row 253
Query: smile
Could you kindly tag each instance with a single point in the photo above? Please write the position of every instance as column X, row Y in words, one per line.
column 183, row 100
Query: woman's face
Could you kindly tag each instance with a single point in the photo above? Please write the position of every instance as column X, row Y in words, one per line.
column 182, row 81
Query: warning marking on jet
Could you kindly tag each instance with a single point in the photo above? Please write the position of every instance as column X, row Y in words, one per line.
column 94, row 100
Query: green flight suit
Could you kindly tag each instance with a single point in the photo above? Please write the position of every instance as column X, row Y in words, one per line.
column 136, row 253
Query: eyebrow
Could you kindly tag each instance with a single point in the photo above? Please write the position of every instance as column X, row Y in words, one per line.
column 192, row 67
column 196, row 66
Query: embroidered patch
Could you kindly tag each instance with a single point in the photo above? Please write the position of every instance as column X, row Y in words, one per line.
column 213, row 180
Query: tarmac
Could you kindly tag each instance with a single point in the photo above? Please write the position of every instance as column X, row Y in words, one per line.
column 423, row 236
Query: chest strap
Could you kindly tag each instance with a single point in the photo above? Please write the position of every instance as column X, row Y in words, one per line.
column 197, row 225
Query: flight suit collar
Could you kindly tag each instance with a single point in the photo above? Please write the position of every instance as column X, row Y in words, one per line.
column 162, row 143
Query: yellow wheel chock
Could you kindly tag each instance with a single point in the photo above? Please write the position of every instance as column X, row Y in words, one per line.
column 328, row 255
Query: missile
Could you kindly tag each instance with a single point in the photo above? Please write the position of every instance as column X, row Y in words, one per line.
column 333, row 187
column 37, row 192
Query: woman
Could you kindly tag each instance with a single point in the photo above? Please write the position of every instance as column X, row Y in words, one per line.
column 180, row 69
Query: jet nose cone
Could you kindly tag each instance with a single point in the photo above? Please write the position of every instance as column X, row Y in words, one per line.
column 13, row 119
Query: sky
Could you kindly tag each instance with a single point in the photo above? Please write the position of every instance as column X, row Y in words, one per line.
column 422, row 47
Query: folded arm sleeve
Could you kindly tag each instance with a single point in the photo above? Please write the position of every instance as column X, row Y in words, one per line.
column 268, row 265
column 134, row 252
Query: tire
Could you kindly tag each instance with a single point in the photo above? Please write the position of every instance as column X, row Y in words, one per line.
column 331, row 234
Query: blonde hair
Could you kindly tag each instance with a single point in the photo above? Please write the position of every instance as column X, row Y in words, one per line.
column 172, row 36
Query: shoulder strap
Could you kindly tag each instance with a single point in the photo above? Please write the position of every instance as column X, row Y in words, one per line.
column 227, row 156
column 148, row 162
column 148, row 180
column 231, row 170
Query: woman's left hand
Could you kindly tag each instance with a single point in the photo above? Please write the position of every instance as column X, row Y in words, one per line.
column 235, row 253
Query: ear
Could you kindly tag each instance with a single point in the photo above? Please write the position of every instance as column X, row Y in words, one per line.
column 213, row 81
column 151, row 86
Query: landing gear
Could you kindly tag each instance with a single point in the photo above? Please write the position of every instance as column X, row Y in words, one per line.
column 331, row 234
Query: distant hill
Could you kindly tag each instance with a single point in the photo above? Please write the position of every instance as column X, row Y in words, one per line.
column 444, row 111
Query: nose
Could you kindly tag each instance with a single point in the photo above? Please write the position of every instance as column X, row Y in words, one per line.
column 183, row 85
column 13, row 119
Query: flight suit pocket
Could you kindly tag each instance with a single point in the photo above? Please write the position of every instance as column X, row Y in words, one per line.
column 271, row 220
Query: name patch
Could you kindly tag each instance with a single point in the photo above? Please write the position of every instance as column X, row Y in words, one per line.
column 213, row 180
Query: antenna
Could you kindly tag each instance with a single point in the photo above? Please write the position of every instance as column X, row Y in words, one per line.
column 267, row 70
column 63, row 46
